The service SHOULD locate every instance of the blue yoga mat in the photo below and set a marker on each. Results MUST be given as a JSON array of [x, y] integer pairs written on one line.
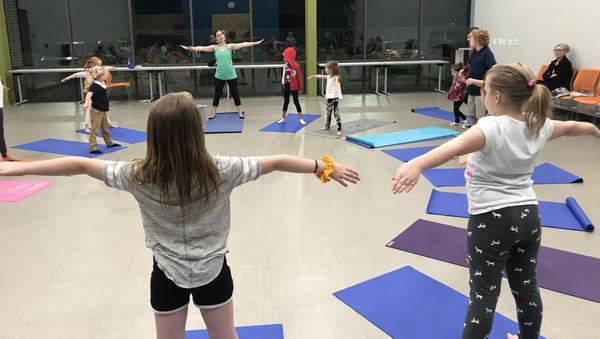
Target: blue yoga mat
[[407, 154], [66, 147], [435, 112], [402, 137], [245, 332], [568, 215], [225, 123], [291, 124], [128, 135], [406, 303], [543, 174]]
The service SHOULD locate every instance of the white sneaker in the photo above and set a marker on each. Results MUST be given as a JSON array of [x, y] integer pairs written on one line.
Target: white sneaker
[[453, 123], [281, 121], [302, 122]]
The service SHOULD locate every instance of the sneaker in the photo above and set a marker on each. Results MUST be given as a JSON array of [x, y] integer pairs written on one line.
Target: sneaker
[[453, 123], [465, 126], [281, 121], [96, 151], [242, 115], [114, 144], [302, 122], [113, 125]]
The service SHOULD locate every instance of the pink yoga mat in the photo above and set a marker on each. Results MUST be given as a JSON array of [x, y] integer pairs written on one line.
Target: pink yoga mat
[[15, 191]]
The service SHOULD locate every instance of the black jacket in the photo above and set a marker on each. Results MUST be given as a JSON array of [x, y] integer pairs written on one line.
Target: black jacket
[[564, 73]]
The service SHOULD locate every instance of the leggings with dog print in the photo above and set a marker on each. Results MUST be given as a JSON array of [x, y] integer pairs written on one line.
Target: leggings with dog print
[[332, 107], [503, 241]]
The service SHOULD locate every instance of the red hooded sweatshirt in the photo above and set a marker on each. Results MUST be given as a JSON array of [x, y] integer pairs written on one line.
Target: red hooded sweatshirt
[[295, 78]]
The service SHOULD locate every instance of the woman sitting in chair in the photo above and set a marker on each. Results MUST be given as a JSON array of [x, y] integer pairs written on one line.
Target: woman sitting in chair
[[560, 71]]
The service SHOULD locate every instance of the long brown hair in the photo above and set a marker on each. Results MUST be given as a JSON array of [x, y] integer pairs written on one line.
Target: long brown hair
[[517, 83], [176, 156]]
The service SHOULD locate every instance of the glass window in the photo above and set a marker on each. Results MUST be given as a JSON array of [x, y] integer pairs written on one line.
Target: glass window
[[44, 29], [159, 27], [340, 30], [103, 33], [392, 29]]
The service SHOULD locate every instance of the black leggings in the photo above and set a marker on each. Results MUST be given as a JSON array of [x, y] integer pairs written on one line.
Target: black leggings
[[503, 241], [286, 98], [458, 115], [233, 90], [3, 149]]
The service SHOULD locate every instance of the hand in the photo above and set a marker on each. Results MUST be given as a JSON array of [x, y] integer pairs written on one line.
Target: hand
[[310, 77], [187, 48], [342, 174], [405, 178], [8, 168], [259, 42], [470, 82], [596, 132], [63, 80]]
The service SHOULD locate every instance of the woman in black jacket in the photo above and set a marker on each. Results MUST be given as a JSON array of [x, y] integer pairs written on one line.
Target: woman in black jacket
[[560, 71]]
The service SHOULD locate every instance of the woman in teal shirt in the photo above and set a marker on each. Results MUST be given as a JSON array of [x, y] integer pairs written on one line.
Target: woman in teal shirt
[[225, 72]]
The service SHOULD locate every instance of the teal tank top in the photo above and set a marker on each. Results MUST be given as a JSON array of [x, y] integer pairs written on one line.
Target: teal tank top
[[225, 70]]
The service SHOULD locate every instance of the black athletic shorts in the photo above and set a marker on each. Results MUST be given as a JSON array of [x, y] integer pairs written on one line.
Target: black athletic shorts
[[166, 297]]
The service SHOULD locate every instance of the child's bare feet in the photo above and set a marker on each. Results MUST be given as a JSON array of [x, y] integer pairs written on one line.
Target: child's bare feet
[[511, 336], [339, 133], [113, 125], [325, 128]]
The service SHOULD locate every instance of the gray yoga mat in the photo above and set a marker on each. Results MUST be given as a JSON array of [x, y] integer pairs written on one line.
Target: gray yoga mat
[[351, 127]]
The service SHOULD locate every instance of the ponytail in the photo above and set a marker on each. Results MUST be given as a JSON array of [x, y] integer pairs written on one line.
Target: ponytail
[[538, 109], [516, 82]]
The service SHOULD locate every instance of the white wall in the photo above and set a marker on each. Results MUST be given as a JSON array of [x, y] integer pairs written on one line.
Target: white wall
[[540, 25]]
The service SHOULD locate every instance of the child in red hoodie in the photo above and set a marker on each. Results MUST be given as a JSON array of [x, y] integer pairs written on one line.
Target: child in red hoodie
[[291, 82]]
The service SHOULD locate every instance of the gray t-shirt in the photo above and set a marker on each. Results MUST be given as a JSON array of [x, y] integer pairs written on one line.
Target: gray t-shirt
[[189, 248], [499, 175]]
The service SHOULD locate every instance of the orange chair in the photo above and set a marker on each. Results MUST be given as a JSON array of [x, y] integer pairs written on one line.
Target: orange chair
[[540, 73], [585, 81], [589, 104], [110, 85]]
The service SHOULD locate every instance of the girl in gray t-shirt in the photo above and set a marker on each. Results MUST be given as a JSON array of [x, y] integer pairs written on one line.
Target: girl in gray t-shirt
[[503, 233], [183, 194]]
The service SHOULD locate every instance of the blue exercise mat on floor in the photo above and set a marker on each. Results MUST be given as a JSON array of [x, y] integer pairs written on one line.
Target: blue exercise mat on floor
[[66, 147], [127, 135], [568, 215], [543, 174], [407, 154], [245, 332], [406, 303], [434, 112], [402, 137], [291, 124], [225, 123]]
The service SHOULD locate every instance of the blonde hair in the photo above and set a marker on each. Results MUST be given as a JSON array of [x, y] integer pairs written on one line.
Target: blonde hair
[[564, 46], [517, 83], [92, 74], [481, 36]]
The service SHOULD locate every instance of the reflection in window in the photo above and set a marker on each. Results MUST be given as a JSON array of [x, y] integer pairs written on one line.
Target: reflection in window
[[159, 27], [392, 29], [44, 31], [105, 34], [340, 29]]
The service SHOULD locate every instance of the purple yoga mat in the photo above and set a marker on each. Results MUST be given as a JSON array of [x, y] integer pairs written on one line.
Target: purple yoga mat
[[565, 272]]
